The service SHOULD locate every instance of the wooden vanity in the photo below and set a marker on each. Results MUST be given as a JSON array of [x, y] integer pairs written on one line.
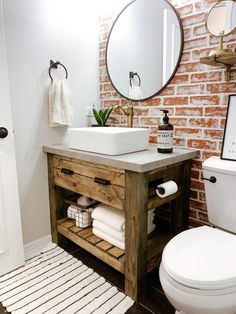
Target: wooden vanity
[[126, 182]]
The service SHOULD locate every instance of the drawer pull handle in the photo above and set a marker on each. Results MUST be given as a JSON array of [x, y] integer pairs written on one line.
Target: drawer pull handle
[[102, 181], [67, 171]]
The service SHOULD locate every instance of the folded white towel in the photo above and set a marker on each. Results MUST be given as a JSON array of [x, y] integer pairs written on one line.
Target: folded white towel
[[72, 212], [135, 92], [60, 104], [110, 216], [109, 238], [118, 235]]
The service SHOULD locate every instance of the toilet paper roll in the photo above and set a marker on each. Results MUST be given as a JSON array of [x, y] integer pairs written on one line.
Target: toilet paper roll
[[167, 188]]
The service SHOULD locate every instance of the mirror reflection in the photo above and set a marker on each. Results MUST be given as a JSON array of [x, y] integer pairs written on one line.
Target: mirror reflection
[[144, 48], [221, 20]]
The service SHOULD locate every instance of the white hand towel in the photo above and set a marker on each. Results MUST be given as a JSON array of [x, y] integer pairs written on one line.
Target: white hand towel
[[135, 92], [110, 216], [109, 239], [60, 104], [118, 235]]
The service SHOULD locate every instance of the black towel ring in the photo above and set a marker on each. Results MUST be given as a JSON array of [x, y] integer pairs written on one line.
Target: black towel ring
[[131, 76], [54, 65]]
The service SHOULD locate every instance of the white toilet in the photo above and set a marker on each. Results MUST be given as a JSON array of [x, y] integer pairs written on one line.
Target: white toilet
[[198, 269]]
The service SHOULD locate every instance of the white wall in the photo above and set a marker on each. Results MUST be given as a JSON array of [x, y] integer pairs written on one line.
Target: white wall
[[37, 31]]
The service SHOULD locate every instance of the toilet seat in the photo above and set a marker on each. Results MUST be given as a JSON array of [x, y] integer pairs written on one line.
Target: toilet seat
[[202, 258]]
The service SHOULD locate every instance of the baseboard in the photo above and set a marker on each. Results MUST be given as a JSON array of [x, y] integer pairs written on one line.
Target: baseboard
[[34, 247]]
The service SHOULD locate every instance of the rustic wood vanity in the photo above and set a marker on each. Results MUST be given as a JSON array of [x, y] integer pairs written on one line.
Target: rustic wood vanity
[[128, 183]]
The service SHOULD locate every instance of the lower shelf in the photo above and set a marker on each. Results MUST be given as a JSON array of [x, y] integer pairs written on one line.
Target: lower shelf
[[113, 256]]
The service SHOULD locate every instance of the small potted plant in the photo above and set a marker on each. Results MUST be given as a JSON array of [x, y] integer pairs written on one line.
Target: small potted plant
[[101, 115]]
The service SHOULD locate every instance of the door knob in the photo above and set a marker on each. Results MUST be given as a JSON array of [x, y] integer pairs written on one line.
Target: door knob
[[3, 132]]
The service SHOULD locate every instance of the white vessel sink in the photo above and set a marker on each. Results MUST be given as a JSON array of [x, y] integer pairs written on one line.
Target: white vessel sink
[[109, 140]]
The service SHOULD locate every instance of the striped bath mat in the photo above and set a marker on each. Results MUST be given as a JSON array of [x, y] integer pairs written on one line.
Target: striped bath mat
[[53, 281]]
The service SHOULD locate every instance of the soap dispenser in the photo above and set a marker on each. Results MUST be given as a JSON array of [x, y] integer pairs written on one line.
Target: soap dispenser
[[165, 135]]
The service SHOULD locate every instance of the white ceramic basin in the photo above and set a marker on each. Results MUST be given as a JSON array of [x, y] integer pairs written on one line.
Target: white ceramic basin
[[109, 140]]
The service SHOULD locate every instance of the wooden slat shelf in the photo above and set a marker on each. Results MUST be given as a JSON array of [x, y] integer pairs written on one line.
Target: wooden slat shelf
[[113, 256], [108, 253]]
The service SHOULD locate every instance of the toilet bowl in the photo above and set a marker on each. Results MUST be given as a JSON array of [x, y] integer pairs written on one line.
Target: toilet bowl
[[198, 268], [198, 271]]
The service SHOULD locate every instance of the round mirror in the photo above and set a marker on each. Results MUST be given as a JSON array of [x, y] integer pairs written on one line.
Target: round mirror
[[221, 19], [144, 48]]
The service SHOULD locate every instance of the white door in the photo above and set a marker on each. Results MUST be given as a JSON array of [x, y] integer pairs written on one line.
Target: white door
[[11, 244]]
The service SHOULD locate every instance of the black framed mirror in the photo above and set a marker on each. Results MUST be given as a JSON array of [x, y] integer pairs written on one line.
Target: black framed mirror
[[144, 48]]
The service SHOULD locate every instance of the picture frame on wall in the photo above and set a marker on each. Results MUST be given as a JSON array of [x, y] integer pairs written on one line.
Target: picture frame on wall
[[228, 151]]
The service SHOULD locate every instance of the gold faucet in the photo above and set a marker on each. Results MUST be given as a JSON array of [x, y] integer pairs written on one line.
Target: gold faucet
[[128, 111]]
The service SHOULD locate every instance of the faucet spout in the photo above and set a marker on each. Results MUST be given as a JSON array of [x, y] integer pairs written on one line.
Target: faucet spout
[[127, 111]]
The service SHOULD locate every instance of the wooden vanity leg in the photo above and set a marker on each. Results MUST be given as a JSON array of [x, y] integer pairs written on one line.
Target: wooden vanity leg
[[55, 201], [136, 205], [180, 209]]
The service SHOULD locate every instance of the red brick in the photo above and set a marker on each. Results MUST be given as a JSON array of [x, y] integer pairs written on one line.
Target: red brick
[[200, 30], [197, 185], [185, 56], [193, 195], [207, 154], [204, 122], [202, 197], [189, 111], [221, 88], [194, 43], [141, 112], [188, 132], [206, 77], [215, 111], [198, 205], [199, 53], [167, 91], [193, 213], [204, 5], [195, 174], [187, 33], [196, 164], [213, 134], [194, 19], [190, 89], [205, 100], [202, 216], [170, 101], [193, 223], [185, 10], [178, 121], [153, 102], [191, 67], [180, 79], [180, 142], [202, 144]]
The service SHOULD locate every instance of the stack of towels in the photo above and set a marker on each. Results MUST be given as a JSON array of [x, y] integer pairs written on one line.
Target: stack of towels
[[109, 224]]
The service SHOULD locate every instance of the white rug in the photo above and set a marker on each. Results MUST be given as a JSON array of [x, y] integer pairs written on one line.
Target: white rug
[[54, 281]]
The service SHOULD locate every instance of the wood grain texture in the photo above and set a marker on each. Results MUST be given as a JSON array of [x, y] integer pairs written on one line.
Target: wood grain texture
[[136, 203], [55, 201], [90, 170], [109, 194]]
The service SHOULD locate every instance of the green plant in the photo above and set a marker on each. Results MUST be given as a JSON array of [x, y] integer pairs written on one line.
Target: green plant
[[102, 115]]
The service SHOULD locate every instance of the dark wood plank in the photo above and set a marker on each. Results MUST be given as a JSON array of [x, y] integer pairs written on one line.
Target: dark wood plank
[[56, 202], [136, 203]]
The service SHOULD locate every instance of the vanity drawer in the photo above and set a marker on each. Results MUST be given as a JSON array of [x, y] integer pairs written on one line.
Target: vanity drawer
[[105, 184]]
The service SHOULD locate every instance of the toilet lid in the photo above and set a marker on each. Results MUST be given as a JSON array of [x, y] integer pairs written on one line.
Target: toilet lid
[[202, 258]]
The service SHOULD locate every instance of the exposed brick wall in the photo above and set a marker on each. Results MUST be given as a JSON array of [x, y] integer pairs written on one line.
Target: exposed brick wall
[[196, 97]]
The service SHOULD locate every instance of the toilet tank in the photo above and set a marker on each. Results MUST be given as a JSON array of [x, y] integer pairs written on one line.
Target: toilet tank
[[221, 195]]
